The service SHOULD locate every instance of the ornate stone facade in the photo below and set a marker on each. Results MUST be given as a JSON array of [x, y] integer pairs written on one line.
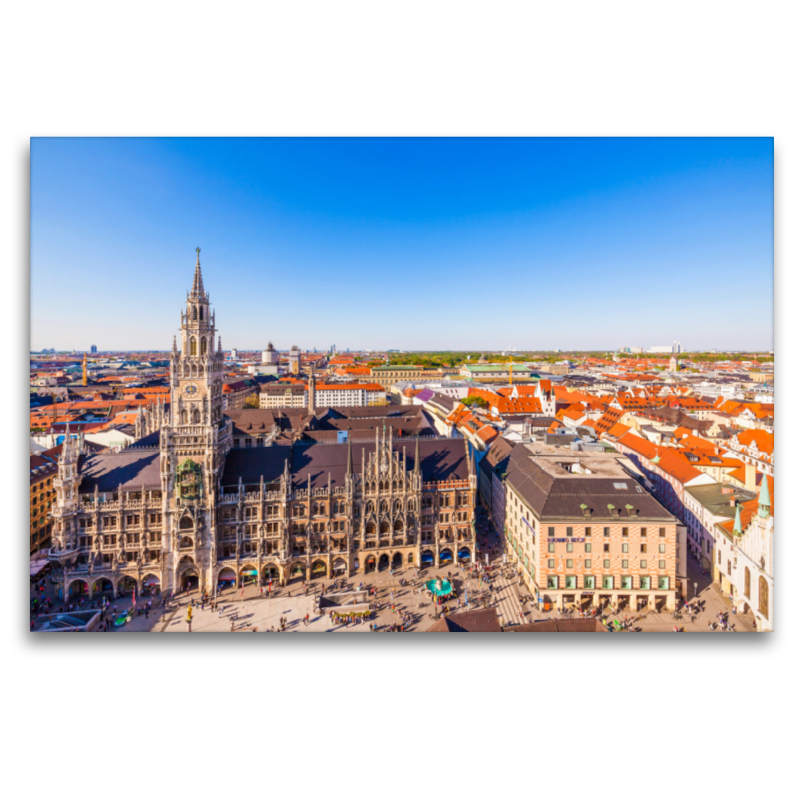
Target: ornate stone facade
[[181, 508]]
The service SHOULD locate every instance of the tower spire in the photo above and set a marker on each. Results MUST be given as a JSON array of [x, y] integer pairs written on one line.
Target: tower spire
[[416, 457], [197, 286], [764, 500], [349, 455], [737, 522]]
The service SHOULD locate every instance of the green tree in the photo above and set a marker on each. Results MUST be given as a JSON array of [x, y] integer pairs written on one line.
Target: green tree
[[472, 400]]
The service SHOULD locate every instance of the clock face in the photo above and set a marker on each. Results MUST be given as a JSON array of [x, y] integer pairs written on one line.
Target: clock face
[[190, 390]]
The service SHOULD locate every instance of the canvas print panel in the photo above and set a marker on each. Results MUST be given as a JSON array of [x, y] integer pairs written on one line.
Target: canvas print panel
[[551, 408]]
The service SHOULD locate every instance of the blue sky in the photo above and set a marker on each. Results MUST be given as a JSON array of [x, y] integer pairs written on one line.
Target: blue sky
[[405, 243]]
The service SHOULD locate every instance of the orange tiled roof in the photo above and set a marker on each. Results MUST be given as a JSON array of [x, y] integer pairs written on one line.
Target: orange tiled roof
[[763, 440]]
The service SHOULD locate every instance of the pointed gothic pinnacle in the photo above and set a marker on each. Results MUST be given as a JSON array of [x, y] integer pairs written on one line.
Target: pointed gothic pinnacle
[[197, 286], [416, 457], [349, 456]]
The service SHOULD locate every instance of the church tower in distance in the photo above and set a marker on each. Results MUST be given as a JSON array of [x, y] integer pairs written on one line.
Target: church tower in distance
[[194, 444]]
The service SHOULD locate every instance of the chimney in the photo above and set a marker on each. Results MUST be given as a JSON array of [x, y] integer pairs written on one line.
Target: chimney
[[750, 478]]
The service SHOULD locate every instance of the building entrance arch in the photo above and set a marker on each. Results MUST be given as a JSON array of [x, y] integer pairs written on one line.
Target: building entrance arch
[[297, 572], [427, 559], [270, 573], [78, 588], [339, 567], [397, 561], [190, 580], [103, 586], [151, 584], [126, 585], [464, 554], [446, 556], [383, 561], [248, 575], [226, 578], [319, 569], [369, 564]]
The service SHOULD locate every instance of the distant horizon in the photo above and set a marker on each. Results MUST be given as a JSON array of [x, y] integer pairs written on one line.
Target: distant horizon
[[718, 351], [459, 240]]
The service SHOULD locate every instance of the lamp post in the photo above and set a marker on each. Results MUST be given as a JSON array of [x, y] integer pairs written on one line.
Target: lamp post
[[695, 589]]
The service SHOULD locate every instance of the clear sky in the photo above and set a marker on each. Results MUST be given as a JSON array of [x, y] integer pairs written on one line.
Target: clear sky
[[437, 244]]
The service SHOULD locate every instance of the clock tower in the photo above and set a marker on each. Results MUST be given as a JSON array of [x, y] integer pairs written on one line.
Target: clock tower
[[194, 444]]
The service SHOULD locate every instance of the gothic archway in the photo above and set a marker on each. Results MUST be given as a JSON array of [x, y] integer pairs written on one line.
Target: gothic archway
[[319, 569], [190, 581], [103, 586], [763, 597]]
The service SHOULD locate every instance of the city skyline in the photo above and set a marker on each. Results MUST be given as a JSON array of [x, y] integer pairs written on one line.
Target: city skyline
[[402, 243]]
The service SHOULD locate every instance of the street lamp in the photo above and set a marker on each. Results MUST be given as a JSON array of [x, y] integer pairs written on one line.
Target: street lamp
[[695, 589]]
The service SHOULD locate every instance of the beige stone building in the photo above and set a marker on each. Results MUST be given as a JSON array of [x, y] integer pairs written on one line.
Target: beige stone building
[[584, 531]]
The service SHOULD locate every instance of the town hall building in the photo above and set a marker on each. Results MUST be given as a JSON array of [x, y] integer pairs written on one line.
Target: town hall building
[[184, 507]]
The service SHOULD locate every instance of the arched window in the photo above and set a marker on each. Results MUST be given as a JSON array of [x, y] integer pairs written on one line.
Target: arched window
[[202, 345], [194, 312], [196, 416], [763, 597], [193, 347], [747, 582], [201, 313], [186, 524], [184, 417]]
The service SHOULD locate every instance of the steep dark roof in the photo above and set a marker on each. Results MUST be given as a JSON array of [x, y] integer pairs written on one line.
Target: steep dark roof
[[132, 468], [558, 626], [479, 620], [554, 497], [496, 459], [440, 460]]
